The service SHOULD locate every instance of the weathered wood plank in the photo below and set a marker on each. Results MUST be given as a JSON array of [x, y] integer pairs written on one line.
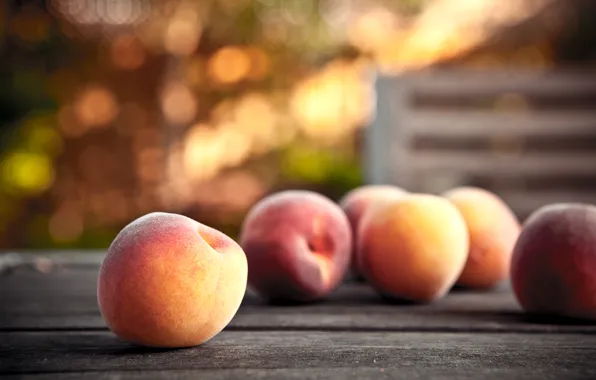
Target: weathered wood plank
[[472, 83], [461, 353], [406, 372], [65, 299], [503, 165], [474, 124]]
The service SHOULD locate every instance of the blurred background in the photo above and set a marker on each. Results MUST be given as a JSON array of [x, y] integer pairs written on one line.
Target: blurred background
[[110, 109]]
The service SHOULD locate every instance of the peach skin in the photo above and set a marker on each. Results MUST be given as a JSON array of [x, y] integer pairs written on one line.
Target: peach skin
[[298, 244], [169, 281], [413, 248], [493, 230], [553, 269], [358, 201]]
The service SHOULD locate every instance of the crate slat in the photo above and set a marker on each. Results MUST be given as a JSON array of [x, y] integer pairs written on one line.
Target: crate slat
[[452, 143], [472, 163], [474, 124], [479, 83]]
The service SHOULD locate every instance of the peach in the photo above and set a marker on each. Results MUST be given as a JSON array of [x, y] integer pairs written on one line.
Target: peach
[[169, 281], [493, 230], [553, 268], [358, 201], [298, 245], [413, 248]]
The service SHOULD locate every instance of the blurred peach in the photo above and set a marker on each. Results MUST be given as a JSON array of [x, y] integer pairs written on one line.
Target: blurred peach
[[358, 201], [298, 246], [493, 230], [413, 248]]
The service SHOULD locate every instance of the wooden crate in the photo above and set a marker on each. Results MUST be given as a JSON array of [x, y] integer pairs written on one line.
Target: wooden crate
[[529, 136]]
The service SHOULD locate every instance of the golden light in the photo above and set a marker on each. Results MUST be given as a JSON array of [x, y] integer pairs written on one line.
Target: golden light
[[332, 103], [66, 224], [96, 106], [318, 106], [373, 29], [31, 173], [256, 117], [229, 65], [260, 64], [234, 145], [201, 157], [285, 131], [183, 33], [178, 103], [127, 52], [449, 27], [208, 149]]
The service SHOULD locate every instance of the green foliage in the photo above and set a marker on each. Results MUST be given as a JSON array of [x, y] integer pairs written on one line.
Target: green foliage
[[339, 171]]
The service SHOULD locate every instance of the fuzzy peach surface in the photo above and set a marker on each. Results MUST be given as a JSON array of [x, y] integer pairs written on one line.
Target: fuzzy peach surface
[[413, 248], [493, 230], [169, 281], [298, 246], [359, 201], [553, 268]]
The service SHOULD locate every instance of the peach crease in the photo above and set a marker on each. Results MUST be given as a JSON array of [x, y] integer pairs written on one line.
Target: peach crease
[[320, 260]]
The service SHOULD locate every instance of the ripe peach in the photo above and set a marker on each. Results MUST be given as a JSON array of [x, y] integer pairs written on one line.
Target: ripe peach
[[358, 201], [493, 230], [553, 268], [298, 246], [413, 248], [169, 281]]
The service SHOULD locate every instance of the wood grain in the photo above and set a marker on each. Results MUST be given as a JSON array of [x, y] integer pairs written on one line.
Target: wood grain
[[360, 373], [49, 352], [65, 299], [50, 327]]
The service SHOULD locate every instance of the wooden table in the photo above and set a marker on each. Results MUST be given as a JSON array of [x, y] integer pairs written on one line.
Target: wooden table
[[50, 327]]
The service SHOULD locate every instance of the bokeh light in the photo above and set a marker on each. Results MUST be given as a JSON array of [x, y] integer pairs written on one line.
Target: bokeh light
[[332, 103], [183, 33], [229, 65], [179, 105], [116, 108], [127, 52], [96, 106], [256, 118], [30, 173]]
